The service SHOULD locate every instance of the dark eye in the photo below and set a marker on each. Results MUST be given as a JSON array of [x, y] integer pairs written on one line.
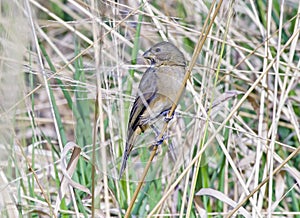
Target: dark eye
[[157, 50]]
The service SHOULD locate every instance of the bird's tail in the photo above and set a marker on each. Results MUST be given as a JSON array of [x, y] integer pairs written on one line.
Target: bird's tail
[[124, 160], [129, 145]]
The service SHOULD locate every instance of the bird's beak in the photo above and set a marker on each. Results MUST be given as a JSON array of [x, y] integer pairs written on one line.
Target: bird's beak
[[148, 55]]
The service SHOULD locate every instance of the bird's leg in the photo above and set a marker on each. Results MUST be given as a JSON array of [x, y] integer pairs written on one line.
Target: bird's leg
[[159, 141], [156, 131]]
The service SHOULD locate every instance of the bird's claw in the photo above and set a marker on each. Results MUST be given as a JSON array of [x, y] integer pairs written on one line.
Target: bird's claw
[[159, 142], [168, 119]]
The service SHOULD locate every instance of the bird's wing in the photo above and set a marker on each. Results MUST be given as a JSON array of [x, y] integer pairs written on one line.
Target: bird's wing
[[134, 122], [146, 93]]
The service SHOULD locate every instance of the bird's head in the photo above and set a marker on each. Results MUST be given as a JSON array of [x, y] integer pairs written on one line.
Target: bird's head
[[164, 53]]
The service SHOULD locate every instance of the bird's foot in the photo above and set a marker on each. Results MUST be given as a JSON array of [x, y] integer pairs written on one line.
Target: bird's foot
[[157, 143], [160, 141], [168, 119]]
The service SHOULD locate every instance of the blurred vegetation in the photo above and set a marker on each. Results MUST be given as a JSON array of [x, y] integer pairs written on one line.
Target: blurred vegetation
[[48, 90]]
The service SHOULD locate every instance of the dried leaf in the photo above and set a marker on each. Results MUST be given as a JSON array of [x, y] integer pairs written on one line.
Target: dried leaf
[[222, 197], [199, 207], [279, 187], [68, 172]]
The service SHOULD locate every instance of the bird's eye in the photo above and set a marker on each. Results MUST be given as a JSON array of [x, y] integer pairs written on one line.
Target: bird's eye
[[157, 50]]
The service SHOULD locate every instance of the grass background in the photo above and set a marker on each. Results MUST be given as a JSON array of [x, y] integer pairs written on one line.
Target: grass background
[[58, 57]]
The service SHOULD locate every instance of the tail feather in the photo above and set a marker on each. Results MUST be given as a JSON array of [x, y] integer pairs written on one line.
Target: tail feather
[[129, 145], [124, 160]]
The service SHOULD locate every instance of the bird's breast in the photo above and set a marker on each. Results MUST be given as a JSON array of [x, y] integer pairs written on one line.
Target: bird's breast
[[169, 81]]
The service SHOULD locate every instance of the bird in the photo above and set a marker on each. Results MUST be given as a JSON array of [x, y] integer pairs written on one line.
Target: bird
[[157, 91]]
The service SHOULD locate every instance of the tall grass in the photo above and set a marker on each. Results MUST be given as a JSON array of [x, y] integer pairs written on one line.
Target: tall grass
[[241, 104]]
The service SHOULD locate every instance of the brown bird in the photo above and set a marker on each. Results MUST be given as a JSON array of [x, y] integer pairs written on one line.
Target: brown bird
[[156, 93]]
